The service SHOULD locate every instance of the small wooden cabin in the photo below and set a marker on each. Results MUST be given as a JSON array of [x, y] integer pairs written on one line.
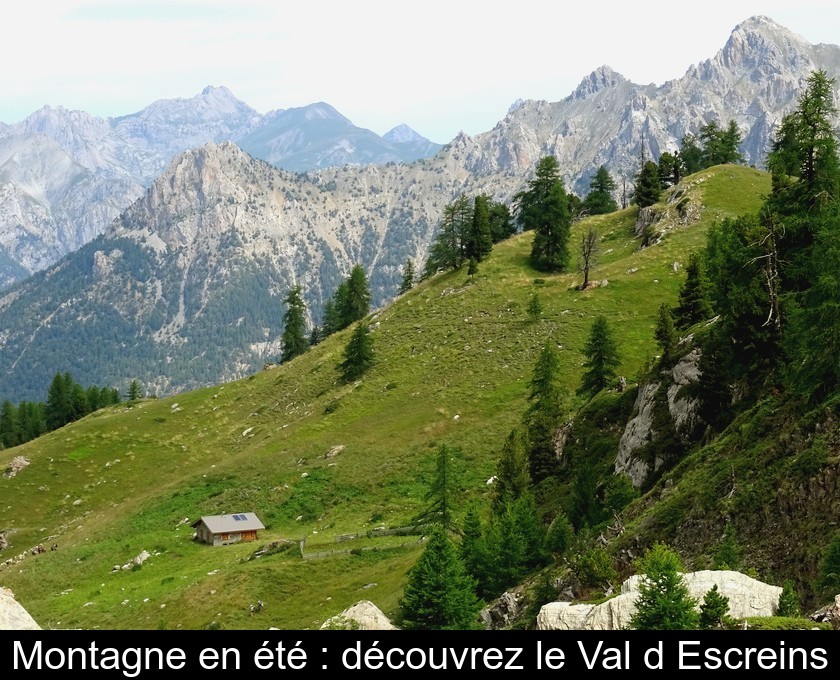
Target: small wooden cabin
[[226, 529]]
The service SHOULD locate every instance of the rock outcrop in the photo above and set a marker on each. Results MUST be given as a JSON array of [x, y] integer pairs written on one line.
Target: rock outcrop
[[18, 463], [747, 597], [363, 615], [12, 614]]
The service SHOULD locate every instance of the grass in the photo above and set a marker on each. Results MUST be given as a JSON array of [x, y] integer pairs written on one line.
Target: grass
[[121, 481]]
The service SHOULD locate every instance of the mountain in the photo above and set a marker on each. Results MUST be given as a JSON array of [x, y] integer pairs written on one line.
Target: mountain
[[334, 470], [311, 229], [185, 289], [754, 79], [169, 126], [318, 136], [124, 155]]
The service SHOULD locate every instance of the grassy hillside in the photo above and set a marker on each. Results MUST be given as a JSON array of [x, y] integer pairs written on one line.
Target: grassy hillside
[[121, 480]]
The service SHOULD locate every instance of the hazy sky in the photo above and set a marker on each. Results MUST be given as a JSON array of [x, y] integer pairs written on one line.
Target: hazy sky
[[438, 66]]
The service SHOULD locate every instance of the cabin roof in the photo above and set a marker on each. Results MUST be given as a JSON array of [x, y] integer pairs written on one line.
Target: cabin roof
[[238, 521]]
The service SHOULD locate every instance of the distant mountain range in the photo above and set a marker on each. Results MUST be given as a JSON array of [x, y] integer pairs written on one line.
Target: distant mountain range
[[47, 211], [185, 287]]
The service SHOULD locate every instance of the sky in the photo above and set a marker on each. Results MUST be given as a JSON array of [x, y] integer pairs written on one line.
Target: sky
[[440, 67]]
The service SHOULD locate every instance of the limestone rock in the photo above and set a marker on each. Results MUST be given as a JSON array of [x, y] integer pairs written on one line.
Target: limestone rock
[[17, 464], [747, 597], [829, 614], [685, 411], [363, 615], [503, 612], [12, 614]]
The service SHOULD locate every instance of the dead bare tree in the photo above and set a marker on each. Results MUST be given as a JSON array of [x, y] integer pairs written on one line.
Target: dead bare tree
[[588, 254], [768, 243]]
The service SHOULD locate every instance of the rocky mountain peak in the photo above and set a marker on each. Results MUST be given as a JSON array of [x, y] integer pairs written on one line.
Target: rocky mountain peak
[[403, 133], [601, 78], [760, 45]]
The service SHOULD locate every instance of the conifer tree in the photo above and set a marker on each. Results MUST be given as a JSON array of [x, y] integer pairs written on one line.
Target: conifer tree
[[355, 300], [473, 550], [134, 392], [728, 554], [408, 277], [665, 333], [294, 326], [560, 535], [543, 415], [544, 209], [479, 241], [513, 477], [690, 154], [601, 353], [829, 578], [664, 602], [714, 610], [788, 601], [358, 354], [648, 188], [443, 490], [472, 269], [534, 308], [501, 222], [694, 304], [439, 595], [10, 434], [599, 200]]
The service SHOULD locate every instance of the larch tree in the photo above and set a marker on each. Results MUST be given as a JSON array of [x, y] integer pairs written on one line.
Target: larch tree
[[440, 594], [601, 360], [294, 326], [544, 209]]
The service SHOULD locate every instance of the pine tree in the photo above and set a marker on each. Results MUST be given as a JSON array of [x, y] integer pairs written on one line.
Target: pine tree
[[408, 277], [479, 241], [10, 434], [665, 333], [544, 209], [358, 354], [294, 326], [472, 550], [534, 308], [513, 477], [560, 535], [694, 304], [443, 490], [439, 595], [690, 154], [664, 602], [585, 511], [59, 408], [355, 300], [714, 610], [788, 601], [472, 269], [648, 189], [448, 251], [728, 554], [829, 578], [543, 415], [599, 200], [134, 392], [601, 353], [501, 222]]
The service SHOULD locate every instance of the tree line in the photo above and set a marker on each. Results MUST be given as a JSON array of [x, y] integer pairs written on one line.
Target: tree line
[[66, 402]]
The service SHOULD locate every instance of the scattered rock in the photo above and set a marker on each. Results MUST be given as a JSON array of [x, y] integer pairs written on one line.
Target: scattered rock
[[363, 615], [247, 431], [828, 614], [17, 464], [507, 608], [492, 480], [77, 502], [632, 270], [334, 451]]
